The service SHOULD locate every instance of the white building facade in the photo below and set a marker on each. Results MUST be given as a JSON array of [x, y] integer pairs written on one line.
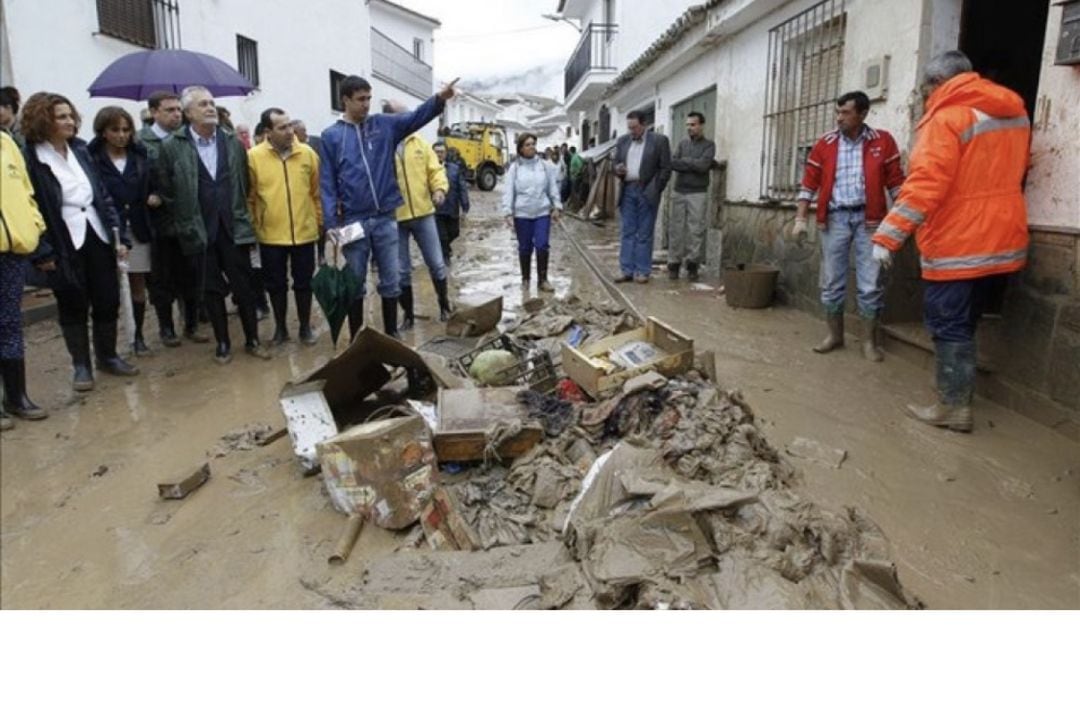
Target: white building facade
[[613, 34], [402, 55], [466, 107], [766, 74], [293, 64]]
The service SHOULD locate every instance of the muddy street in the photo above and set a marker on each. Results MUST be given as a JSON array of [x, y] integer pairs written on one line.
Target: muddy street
[[990, 520]]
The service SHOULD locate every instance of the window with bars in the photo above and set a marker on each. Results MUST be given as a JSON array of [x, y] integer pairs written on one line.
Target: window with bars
[[247, 58], [147, 23], [336, 78], [805, 66]]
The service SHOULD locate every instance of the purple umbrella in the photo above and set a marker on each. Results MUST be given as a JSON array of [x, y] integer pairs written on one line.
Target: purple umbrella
[[140, 74]]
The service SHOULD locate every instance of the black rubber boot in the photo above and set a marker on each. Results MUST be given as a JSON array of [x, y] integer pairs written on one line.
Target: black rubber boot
[[219, 320], [955, 363], [871, 342], [138, 346], [105, 351], [77, 340], [249, 322], [303, 315], [356, 317], [542, 271], [279, 303], [16, 402], [835, 339], [692, 271], [389, 316], [673, 270], [525, 260], [166, 327], [406, 300], [191, 321], [444, 299]]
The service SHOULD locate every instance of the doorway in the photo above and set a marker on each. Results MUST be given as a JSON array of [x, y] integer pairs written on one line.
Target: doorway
[[1004, 40]]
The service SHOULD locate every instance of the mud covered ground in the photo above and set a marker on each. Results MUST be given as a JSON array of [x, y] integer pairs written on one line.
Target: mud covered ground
[[989, 520]]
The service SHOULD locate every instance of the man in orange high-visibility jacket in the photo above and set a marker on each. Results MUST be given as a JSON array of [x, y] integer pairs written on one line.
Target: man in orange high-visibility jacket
[[963, 200]]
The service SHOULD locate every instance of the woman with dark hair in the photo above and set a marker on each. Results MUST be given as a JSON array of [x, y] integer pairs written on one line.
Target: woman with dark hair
[[530, 202], [125, 170], [82, 241]]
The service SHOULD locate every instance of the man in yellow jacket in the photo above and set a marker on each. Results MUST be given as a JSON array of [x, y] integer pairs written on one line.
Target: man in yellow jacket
[[422, 181], [21, 226], [286, 211]]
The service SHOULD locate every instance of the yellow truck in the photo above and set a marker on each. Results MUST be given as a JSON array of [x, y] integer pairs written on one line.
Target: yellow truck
[[483, 148]]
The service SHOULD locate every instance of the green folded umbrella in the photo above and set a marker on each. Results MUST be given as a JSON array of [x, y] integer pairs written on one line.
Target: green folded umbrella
[[335, 289]]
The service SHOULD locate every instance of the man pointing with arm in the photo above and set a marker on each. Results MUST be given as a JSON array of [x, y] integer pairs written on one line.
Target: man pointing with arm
[[358, 186]]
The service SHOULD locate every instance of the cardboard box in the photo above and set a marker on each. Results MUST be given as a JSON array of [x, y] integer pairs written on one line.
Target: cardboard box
[[444, 527], [467, 414], [589, 368], [330, 398], [391, 465]]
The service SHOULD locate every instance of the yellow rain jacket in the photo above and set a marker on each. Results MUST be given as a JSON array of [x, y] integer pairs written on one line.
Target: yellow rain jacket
[[418, 176], [283, 195], [21, 224]]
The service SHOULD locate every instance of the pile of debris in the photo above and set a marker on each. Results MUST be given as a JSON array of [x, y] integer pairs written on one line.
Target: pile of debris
[[655, 480]]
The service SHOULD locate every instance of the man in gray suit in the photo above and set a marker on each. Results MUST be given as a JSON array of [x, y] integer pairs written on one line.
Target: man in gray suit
[[643, 164]]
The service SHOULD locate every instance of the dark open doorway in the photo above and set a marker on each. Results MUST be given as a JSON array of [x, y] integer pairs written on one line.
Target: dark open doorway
[[1004, 39]]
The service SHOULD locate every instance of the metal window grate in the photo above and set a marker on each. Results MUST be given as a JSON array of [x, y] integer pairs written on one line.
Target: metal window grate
[[805, 65], [247, 58], [154, 24]]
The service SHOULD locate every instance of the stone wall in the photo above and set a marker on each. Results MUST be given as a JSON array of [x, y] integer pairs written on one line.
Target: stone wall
[[1040, 345]]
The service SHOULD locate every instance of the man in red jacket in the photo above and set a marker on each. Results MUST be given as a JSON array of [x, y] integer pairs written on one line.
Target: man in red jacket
[[849, 170]]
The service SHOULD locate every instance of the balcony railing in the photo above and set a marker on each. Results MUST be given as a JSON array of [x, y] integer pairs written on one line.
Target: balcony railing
[[594, 51], [394, 64]]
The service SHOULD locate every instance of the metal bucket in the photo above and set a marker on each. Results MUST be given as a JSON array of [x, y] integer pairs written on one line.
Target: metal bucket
[[750, 286]]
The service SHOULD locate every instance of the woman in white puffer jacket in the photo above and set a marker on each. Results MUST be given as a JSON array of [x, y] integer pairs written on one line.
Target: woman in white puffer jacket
[[530, 202]]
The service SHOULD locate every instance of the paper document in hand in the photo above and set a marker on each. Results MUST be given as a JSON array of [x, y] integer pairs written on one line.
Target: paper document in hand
[[346, 234]]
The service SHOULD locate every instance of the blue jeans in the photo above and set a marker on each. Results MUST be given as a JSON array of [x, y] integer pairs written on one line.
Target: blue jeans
[[952, 309], [638, 218], [426, 233], [533, 233], [380, 237], [844, 228]]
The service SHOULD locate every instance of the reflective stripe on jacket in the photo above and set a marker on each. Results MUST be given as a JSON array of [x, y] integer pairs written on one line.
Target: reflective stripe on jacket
[[283, 194], [963, 196]]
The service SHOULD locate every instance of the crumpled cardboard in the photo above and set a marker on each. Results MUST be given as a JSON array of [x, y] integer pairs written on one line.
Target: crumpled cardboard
[[444, 527], [392, 465], [472, 318]]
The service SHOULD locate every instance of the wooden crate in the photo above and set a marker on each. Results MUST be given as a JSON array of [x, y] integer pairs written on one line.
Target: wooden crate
[[577, 362], [465, 414]]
